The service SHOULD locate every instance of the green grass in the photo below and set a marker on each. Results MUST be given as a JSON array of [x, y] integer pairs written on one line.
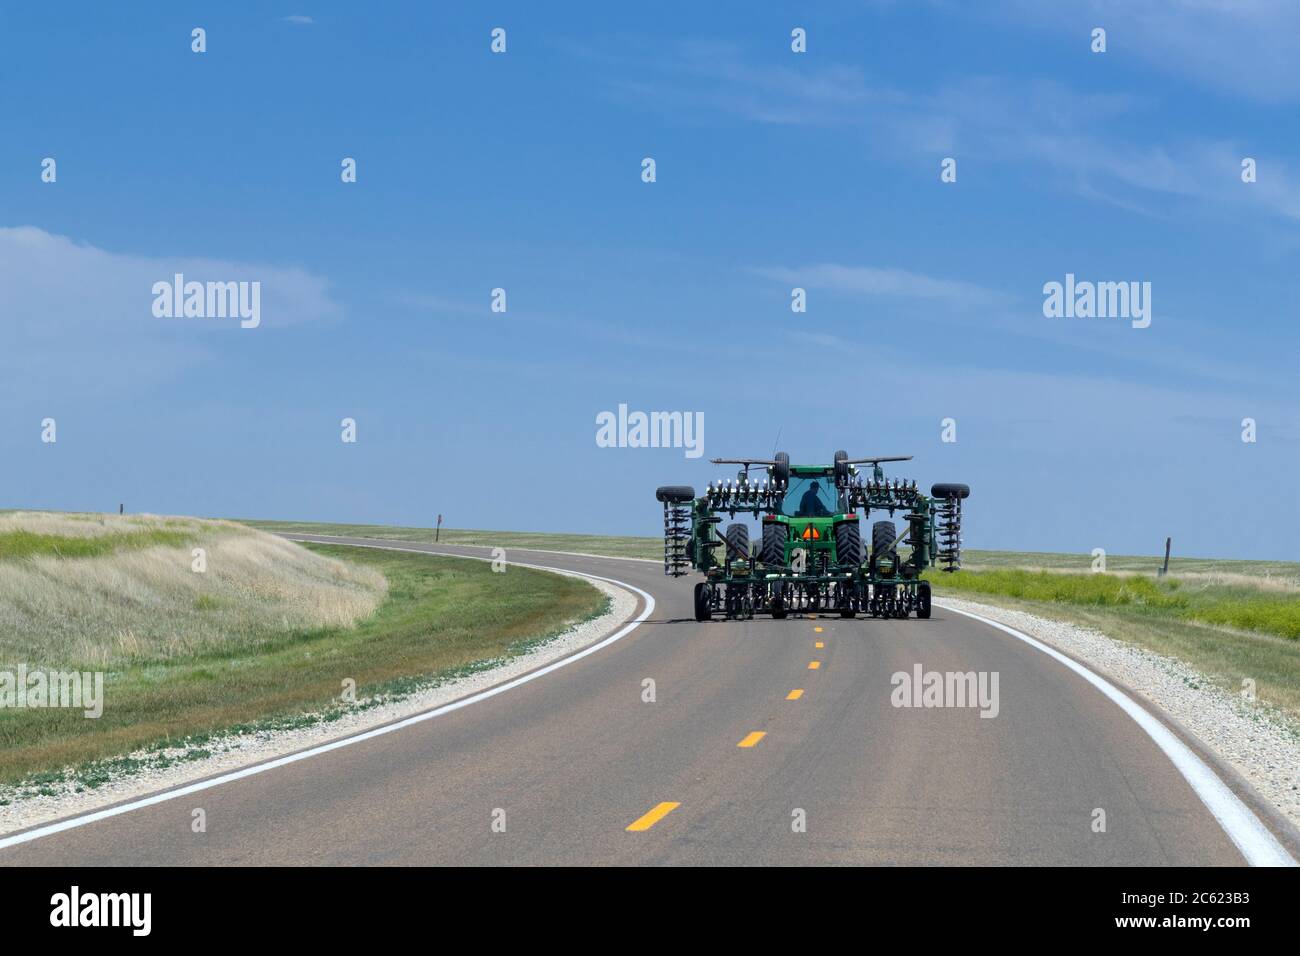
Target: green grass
[[1102, 590], [1253, 614], [441, 616], [1267, 571], [26, 544], [1233, 606]]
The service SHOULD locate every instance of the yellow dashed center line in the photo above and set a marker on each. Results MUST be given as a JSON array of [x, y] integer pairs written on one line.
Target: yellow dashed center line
[[813, 665], [819, 645], [653, 817], [794, 694], [817, 630], [752, 738]]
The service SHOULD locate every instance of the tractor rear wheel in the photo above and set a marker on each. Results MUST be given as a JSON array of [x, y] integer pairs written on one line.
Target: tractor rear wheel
[[737, 541], [703, 611], [775, 536], [848, 544], [883, 535]]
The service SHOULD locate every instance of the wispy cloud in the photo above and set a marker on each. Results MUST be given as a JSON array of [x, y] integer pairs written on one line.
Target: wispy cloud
[[884, 282], [298, 18], [1083, 142], [77, 314], [1246, 48]]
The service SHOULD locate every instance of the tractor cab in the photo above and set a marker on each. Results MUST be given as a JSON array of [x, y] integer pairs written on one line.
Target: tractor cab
[[812, 504], [812, 494]]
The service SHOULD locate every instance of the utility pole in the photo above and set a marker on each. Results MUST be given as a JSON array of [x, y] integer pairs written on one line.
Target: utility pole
[[1165, 570], [438, 530]]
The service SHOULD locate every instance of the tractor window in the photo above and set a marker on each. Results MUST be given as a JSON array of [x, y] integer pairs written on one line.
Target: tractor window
[[810, 497]]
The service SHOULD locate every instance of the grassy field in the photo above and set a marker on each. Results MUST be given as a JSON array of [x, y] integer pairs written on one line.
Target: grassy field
[[97, 592], [1228, 630], [1243, 607], [1232, 620], [426, 624]]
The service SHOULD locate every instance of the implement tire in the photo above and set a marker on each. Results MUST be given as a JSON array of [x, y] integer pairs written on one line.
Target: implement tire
[[779, 610], [675, 494], [703, 612], [923, 600], [781, 470], [883, 537]]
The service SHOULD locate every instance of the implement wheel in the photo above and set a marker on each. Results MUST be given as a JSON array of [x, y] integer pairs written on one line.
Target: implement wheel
[[779, 609], [703, 610]]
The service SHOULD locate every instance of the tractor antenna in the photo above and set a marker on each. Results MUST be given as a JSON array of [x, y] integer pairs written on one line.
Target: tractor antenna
[[776, 444]]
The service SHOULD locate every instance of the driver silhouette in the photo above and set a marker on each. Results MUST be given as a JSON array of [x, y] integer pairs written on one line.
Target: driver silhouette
[[810, 505]]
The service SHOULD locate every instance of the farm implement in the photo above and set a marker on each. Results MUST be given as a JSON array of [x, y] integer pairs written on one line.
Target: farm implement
[[811, 556]]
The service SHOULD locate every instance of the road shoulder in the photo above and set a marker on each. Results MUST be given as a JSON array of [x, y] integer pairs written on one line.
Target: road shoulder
[[234, 752], [1254, 749]]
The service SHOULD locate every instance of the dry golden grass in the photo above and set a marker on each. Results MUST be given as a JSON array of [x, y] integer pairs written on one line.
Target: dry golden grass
[[138, 600], [73, 525]]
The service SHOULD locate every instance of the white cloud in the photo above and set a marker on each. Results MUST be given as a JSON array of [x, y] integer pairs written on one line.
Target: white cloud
[[74, 313], [298, 19]]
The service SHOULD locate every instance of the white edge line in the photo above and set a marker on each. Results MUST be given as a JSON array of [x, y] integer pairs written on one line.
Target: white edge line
[[86, 819], [1255, 841]]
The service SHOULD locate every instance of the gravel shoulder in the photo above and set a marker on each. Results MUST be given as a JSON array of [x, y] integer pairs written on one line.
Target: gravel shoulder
[[223, 754], [1260, 743]]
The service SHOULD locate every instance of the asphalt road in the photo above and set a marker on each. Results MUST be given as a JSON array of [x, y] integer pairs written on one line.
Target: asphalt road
[[576, 757]]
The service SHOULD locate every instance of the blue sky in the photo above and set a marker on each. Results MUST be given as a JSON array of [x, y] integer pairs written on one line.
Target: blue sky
[[774, 169]]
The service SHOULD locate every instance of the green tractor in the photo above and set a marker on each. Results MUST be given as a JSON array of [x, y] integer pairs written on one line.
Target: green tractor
[[812, 557]]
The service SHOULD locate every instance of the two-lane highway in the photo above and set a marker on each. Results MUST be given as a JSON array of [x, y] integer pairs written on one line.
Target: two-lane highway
[[765, 742]]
